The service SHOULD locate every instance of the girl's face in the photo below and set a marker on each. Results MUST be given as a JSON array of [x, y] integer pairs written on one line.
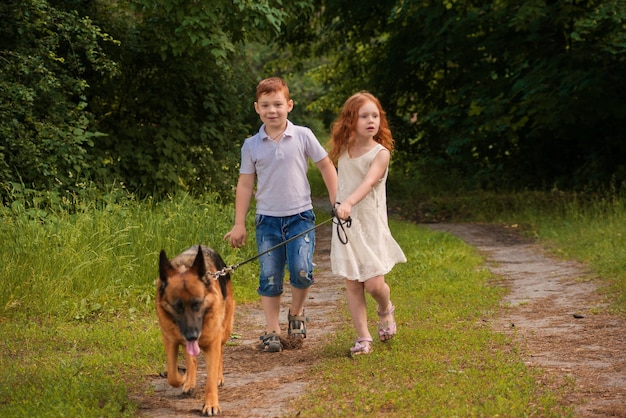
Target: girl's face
[[368, 121], [273, 109]]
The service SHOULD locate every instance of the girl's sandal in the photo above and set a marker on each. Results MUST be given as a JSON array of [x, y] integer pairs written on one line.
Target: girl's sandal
[[387, 329], [362, 346]]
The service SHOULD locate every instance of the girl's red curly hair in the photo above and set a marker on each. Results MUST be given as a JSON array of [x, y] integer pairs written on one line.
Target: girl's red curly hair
[[342, 134]]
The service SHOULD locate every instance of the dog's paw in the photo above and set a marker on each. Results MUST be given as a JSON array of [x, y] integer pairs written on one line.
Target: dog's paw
[[189, 393], [188, 388], [189, 383], [210, 411]]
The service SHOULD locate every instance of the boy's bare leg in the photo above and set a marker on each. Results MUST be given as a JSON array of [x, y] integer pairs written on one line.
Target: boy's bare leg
[[296, 322], [271, 309], [298, 298]]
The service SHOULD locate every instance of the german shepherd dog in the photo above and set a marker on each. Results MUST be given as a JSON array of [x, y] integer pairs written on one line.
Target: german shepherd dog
[[195, 310]]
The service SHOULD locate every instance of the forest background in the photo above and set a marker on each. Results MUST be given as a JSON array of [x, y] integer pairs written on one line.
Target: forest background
[[157, 96]]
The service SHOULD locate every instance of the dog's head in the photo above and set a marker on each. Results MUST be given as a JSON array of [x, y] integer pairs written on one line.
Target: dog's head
[[185, 294]]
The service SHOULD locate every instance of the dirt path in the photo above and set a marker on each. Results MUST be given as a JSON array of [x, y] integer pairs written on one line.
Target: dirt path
[[556, 315]]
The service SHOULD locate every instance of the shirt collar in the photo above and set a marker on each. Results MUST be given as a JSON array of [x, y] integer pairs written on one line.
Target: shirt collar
[[288, 130]]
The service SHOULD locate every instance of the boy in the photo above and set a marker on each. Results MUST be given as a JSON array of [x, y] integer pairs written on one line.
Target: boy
[[277, 158]]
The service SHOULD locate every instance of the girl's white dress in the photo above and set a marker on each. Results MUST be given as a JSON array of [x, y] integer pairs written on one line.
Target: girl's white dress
[[371, 250]]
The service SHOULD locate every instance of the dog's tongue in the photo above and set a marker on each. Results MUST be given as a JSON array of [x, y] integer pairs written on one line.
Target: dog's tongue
[[193, 348]]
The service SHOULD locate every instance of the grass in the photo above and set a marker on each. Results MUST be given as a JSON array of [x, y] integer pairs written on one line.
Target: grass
[[446, 361], [78, 325], [100, 260], [53, 368]]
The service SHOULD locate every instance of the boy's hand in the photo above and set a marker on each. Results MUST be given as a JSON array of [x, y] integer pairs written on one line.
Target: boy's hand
[[343, 210], [236, 237]]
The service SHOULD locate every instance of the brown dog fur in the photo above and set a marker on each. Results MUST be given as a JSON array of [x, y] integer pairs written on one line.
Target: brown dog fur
[[194, 306]]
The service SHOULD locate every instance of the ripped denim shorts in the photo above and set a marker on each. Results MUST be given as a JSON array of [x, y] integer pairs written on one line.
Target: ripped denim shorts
[[296, 255]]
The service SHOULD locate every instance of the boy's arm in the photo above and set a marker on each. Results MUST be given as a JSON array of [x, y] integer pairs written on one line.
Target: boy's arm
[[329, 174], [245, 186]]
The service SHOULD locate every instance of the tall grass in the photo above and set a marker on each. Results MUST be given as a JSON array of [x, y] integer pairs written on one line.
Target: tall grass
[[101, 258]]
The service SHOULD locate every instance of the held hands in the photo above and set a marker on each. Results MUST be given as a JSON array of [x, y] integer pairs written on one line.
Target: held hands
[[342, 210], [236, 237]]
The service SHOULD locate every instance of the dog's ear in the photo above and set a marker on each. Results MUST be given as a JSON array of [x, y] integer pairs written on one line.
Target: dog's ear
[[165, 268], [198, 264]]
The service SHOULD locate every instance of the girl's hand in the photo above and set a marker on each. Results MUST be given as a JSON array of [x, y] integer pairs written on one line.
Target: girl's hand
[[343, 210]]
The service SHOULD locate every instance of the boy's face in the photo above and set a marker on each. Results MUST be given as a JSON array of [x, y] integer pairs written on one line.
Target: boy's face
[[273, 109]]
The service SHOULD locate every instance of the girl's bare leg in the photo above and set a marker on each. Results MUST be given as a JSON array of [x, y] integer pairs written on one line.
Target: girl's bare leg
[[357, 307], [379, 290]]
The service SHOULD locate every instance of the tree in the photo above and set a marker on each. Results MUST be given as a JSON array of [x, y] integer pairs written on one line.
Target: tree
[[164, 106], [503, 93], [45, 130], [182, 105]]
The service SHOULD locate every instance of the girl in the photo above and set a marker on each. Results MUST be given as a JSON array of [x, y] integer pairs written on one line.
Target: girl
[[361, 145]]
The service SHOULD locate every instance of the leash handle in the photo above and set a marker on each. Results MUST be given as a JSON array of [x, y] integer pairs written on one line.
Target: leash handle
[[341, 231]]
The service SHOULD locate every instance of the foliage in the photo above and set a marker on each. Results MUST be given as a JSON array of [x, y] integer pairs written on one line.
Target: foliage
[[177, 113], [46, 128], [505, 94], [173, 113], [182, 106], [158, 95]]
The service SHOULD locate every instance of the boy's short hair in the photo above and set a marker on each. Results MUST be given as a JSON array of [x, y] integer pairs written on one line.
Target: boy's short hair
[[272, 85]]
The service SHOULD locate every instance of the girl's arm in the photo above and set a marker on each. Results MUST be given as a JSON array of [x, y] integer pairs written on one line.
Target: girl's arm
[[375, 173]]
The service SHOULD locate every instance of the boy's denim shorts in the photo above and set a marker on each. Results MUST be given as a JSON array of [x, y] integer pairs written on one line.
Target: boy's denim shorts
[[297, 255]]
